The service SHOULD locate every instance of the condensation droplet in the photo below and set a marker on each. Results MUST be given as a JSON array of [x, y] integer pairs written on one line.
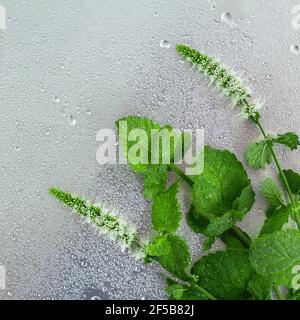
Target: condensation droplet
[[72, 121], [95, 298], [295, 49], [227, 18], [56, 99], [165, 44], [269, 76], [84, 264]]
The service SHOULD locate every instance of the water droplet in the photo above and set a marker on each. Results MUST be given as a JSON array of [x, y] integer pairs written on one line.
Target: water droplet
[[18, 148], [62, 66], [47, 132], [88, 112], [72, 121], [227, 18], [165, 44], [56, 99], [295, 49], [95, 298], [84, 263], [155, 14]]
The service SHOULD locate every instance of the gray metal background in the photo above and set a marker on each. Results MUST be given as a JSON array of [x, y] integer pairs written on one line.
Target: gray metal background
[[92, 62]]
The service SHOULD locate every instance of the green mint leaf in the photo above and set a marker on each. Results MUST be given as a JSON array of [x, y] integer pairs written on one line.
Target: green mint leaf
[[271, 210], [154, 150], [293, 179], [221, 224], [152, 156], [244, 202], [289, 139], [172, 253], [294, 295], [166, 212], [196, 222], [231, 240], [184, 292], [176, 291], [260, 287], [159, 246], [258, 155], [276, 221], [221, 183], [272, 193], [222, 192], [208, 242], [199, 225], [144, 151], [224, 274], [156, 175], [274, 255], [155, 180]]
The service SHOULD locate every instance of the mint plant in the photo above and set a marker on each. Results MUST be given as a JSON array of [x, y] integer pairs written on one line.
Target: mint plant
[[221, 197]]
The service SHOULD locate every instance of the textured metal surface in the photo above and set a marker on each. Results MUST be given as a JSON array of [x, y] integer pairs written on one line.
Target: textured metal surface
[[69, 68]]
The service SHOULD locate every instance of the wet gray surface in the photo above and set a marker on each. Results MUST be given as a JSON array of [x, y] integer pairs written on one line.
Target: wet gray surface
[[71, 68]]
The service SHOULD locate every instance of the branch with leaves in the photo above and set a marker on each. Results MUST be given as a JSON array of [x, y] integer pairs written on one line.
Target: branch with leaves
[[222, 195]]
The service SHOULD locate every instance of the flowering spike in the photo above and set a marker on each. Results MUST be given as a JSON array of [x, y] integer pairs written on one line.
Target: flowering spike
[[228, 81], [108, 223]]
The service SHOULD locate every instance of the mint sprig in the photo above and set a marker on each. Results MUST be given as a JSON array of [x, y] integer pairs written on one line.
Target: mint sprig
[[221, 195], [112, 225]]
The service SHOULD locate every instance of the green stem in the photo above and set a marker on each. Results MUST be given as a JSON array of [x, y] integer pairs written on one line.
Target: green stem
[[242, 236], [181, 174], [278, 293], [278, 165], [283, 177], [202, 290]]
